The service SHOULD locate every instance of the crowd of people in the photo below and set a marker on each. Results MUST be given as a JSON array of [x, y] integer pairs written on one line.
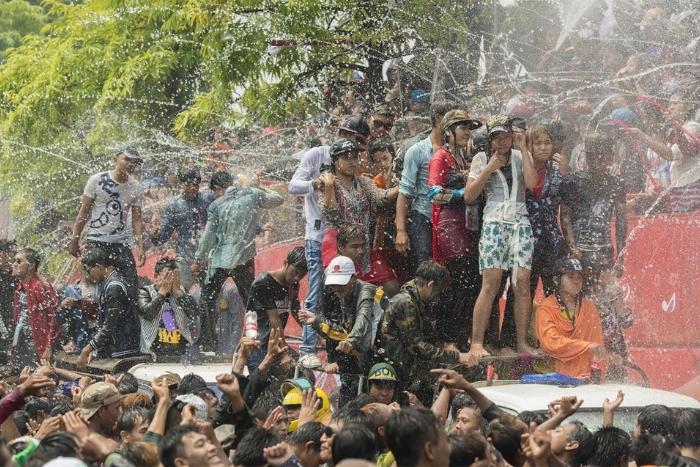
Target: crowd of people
[[420, 211]]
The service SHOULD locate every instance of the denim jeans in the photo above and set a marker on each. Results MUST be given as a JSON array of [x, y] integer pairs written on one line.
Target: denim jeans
[[313, 294], [420, 234]]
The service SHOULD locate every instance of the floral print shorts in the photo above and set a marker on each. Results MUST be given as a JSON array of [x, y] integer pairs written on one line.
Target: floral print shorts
[[503, 246]]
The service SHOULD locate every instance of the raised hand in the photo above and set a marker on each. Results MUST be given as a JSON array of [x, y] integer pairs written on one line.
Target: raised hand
[[274, 416], [276, 347], [36, 385], [161, 390], [228, 384], [310, 403], [607, 405], [451, 379]]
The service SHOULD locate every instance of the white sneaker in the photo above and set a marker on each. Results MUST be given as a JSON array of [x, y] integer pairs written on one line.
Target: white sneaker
[[310, 360]]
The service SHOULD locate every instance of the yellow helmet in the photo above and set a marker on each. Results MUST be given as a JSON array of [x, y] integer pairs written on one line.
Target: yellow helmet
[[292, 393]]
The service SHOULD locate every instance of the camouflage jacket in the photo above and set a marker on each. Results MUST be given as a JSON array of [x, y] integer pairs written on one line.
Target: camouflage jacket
[[348, 320], [402, 335]]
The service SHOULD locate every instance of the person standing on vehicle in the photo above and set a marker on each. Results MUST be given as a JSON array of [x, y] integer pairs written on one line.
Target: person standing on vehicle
[[166, 312], [455, 228], [186, 215], [350, 309], [118, 334], [108, 200], [306, 182], [414, 210], [35, 306], [404, 326], [568, 326], [228, 244], [274, 295], [502, 174]]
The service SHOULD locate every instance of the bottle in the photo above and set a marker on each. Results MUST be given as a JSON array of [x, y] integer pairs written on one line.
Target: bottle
[[595, 372], [251, 324]]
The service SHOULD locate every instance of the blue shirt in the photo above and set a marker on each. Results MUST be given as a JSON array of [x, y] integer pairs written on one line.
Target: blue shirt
[[414, 178], [188, 217]]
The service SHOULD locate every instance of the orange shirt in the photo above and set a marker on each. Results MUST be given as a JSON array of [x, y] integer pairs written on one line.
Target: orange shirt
[[568, 341]]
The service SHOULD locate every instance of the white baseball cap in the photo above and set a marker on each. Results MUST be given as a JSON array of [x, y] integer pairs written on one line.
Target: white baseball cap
[[340, 271]]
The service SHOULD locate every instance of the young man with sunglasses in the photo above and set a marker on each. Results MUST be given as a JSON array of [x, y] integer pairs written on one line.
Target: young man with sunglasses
[[35, 335], [306, 183]]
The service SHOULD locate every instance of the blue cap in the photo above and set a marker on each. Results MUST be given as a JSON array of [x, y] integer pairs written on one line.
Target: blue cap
[[419, 95], [624, 115]]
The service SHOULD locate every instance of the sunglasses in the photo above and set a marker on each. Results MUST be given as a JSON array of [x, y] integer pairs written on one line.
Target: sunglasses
[[379, 124]]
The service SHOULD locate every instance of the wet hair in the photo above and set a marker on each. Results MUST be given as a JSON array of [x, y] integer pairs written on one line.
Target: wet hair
[[61, 408], [59, 444], [611, 444], [688, 420], [164, 263], [268, 401], [529, 416], [431, 271], [250, 449], [382, 109], [657, 419], [467, 446], [460, 401], [297, 258], [506, 440], [131, 417], [348, 232], [354, 442], [32, 256], [586, 444], [407, 431], [535, 132], [361, 400], [221, 179], [7, 245], [645, 448], [129, 384], [21, 418], [172, 445], [189, 176], [137, 399], [94, 256], [33, 405], [381, 145], [483, 423], [190, 383], [440, 108], [351, 416], [310, 431], [141, 454]]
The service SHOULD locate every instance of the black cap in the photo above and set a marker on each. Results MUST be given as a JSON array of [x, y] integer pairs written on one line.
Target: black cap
[[342, 146], [354, 124], [499, 123], [567, 265], [130, 152], [189, 176]]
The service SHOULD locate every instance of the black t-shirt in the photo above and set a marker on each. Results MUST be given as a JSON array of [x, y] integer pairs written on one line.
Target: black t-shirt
[[593, 201], [268, 294]]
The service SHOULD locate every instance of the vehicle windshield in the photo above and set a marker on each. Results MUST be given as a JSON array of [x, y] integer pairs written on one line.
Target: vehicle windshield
[[625, 418]]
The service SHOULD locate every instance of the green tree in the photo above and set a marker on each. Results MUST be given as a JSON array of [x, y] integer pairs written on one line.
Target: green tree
[[18, 18]]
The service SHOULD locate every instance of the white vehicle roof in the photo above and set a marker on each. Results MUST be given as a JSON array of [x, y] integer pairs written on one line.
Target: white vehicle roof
[[147, 371], [516, 397]]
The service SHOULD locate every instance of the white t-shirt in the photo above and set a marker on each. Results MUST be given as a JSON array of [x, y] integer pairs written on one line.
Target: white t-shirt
[[109, 218]]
